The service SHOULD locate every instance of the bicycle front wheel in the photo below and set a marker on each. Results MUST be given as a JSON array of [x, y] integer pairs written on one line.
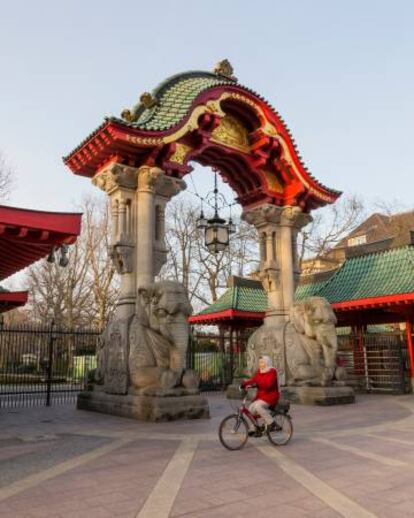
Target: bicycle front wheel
[[282, 431], [233, 432]]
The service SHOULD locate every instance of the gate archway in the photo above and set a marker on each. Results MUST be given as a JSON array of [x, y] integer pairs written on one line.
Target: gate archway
[[141, 158]]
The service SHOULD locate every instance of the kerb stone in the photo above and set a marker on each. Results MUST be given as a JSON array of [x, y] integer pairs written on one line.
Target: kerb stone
[[146, 407], [322, 396]]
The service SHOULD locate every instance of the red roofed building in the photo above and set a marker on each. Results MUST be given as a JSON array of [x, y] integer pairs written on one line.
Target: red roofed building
[[27, 236]]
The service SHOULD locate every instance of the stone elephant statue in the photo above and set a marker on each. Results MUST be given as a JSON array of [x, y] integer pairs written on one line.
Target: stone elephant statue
[[148, 350], [303, 349], [158, 338]]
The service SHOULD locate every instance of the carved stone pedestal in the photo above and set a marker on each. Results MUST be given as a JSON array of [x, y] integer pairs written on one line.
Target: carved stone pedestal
[[321, 396], [171, 406]]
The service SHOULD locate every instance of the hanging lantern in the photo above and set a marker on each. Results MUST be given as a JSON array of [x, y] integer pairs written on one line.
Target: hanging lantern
[[216, 229], [216, 234]]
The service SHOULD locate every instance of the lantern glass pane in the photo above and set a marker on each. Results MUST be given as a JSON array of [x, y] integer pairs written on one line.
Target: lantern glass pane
[[222, 235], [210, 235]]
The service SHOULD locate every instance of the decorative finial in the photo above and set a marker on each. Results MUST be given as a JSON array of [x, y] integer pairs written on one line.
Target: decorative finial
[[127, 115], [224, 68], [148, 100]]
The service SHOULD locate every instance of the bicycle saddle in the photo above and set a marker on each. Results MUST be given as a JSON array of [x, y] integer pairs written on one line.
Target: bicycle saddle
[[281, 406]]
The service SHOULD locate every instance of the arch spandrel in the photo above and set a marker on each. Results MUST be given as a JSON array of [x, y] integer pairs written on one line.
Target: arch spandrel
[[210, 119]]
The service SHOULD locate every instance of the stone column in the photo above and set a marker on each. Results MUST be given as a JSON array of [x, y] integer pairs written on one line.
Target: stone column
[[279, 269], [145, 228], [291, 221], [138, 198], [167, 187], [120, 182], [154, 190], [266, 219]]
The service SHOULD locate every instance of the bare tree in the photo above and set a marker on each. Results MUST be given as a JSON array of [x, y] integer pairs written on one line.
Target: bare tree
[[204, 274], [61, 294], [329, 226], [6, 178], [96, 216], [84, 292]]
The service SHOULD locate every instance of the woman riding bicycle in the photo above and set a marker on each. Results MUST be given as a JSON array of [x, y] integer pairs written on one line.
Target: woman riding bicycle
[[267, 394]]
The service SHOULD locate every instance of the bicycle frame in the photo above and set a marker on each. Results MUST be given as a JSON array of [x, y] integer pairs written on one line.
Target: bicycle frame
[[243, 410]]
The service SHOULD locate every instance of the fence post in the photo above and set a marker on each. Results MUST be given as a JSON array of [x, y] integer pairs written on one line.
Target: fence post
[[50, 363]]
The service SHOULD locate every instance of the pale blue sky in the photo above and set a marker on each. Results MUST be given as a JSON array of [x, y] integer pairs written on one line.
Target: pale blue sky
[[340, 73]]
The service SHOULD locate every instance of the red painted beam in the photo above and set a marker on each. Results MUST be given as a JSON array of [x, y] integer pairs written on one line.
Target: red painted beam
[[228, 314], [12, 299], [373, 302], [410, 346]]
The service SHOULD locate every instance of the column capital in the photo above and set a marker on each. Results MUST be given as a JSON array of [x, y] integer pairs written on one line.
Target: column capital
[[154, 180], [263, 215], [116, 176], [148, 177], [292, 216], [168, 186]]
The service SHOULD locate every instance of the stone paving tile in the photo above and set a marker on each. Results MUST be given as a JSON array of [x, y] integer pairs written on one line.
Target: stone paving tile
[[310, 504], [92, 512], [218, 482], [224, 511], [126, 506], [90, 488], [50, 453]]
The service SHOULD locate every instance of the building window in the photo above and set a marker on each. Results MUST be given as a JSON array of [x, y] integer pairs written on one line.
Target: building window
[[357, 240]]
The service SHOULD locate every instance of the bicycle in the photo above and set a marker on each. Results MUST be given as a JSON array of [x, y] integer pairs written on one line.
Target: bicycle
[[234, 431]]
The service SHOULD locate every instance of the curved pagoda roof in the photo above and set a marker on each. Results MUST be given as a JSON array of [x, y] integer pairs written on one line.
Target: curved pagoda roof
[[173, 99], [29, 235], [207, 117]]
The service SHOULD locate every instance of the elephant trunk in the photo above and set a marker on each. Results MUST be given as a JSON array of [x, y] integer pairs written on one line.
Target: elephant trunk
[[179, 332]]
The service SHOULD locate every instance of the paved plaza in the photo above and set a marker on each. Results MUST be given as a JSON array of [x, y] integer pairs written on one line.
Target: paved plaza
[[355, 461]]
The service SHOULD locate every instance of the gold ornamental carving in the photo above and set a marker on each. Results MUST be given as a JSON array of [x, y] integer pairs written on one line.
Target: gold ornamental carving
[[273, 183], [181, 151], [148, 100], [225, 69], [228, 136], [145, 141], [231, 133]]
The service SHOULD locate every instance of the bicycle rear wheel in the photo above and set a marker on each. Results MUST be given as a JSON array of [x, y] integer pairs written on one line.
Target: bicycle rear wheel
[[233, 432], [282, 431]]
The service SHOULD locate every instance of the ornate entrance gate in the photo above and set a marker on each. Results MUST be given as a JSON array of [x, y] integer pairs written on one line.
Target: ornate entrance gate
[[140, 160]]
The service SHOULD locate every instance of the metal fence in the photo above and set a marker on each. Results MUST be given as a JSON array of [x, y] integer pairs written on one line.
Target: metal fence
[[216, 359], [376, 362], [44, 365], [216, 369]]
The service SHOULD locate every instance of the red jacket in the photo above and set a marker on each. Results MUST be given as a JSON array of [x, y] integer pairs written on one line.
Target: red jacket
[[267, 386]]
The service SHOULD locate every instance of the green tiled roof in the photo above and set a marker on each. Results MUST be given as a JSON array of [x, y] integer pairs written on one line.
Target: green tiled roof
[[253, 299], [174, 98], [308, 290], [383, 273], [389, 272], [239, 298]]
